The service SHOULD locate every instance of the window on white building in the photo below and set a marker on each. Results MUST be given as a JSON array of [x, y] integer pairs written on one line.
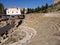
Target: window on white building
[[16, 12], [12, 12], [8, 12]]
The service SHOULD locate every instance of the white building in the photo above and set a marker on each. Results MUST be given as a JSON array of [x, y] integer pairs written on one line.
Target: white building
[[13, 11]]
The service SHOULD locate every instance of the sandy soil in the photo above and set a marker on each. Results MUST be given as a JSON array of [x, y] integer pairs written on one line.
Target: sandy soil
[[48, 29]]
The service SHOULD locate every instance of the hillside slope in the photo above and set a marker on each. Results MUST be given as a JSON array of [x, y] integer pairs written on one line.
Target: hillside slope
[[55, 7], [48, 29]]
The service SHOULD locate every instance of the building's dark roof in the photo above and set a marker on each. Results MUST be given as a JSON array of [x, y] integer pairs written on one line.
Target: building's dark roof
[[6, 28]]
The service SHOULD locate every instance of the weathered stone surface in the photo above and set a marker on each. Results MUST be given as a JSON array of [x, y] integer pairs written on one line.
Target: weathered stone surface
[[55, 1]]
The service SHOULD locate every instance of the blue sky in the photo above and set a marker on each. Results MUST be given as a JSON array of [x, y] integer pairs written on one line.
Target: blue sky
[[25, 3]]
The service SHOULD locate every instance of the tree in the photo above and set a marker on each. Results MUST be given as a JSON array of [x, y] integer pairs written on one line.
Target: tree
[[23, 10], [29, 10], [38, 9], [1, 8], [46, 6], [5, 10], [42, 8]]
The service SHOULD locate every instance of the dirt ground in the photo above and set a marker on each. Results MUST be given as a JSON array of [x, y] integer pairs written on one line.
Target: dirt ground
[[48, 29]]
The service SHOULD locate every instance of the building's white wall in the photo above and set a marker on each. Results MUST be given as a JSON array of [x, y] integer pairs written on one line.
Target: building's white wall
[[13, 11]]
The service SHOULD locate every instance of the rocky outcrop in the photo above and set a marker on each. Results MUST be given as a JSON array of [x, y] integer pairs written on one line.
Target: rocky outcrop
[[55, 1], [22, 35], [2, 23]]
